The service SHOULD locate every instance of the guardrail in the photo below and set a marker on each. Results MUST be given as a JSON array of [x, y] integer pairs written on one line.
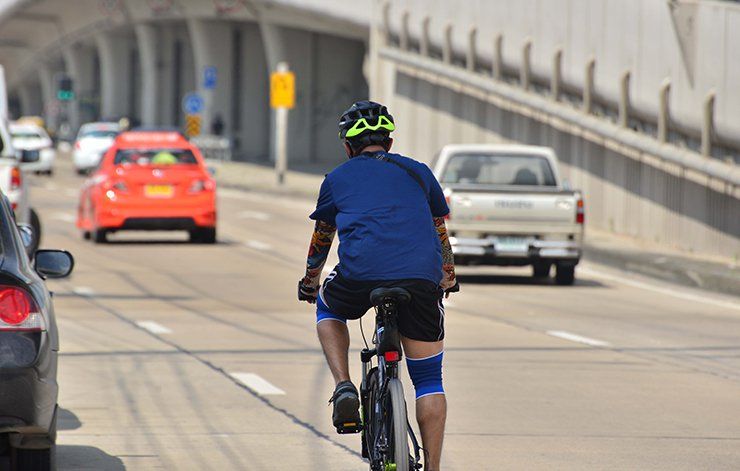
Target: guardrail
[[562, 116], [704, 138]]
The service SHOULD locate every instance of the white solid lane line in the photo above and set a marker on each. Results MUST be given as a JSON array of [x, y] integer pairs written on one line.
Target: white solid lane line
[[660, 289], [153, 327], [577, 338], [258, 215], [83, 291], [257, 384], [257, 245]]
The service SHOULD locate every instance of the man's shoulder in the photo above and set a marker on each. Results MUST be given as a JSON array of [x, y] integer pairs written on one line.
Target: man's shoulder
[[413, 163]]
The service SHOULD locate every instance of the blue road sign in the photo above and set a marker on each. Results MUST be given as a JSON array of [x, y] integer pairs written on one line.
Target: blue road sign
[[192, 103], [210, 77]]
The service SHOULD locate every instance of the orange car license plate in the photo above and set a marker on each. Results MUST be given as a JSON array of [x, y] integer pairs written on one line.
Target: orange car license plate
[[159, 191]]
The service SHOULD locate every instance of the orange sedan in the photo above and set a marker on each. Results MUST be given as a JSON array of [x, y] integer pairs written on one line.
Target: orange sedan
[[149, 181]]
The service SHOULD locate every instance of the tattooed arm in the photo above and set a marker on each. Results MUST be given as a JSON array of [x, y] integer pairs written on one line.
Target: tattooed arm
[[318, 251], [448, 261]]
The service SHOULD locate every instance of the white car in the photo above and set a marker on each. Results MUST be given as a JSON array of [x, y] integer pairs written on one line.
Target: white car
[[32, 138], [92, 141]]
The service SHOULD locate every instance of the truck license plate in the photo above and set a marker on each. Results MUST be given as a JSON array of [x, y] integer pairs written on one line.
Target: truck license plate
[[511, 244]]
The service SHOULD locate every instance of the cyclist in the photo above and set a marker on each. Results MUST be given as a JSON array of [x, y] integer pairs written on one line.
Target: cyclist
[[389, 211]]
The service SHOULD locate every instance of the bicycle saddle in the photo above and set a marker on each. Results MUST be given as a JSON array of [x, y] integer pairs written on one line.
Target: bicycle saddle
[[400, 295]]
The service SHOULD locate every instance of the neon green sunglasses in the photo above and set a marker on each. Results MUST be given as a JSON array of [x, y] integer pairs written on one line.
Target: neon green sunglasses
[[362, 125]]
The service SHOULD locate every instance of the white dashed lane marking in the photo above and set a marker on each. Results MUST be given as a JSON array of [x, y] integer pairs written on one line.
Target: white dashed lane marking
[[153, 327], [66, 217], [83, 291], [258, 215], [257, 245], [577, 338], [258, 384]]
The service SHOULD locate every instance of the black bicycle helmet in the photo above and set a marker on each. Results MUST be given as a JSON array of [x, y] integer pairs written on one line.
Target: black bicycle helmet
[[365, 117]]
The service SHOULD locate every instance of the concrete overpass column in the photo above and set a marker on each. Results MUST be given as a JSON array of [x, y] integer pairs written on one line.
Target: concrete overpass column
[[146, 40], [213, 45], [48, 97], [115, 64], [79, 62], [274, 44], [25, 93]]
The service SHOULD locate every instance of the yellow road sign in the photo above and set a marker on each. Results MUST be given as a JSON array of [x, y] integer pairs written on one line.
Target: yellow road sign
[[192, 125], [282, 90]]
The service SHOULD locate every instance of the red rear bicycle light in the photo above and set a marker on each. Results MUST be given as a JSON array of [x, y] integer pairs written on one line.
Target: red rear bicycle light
[[391, 356], [18, 311]]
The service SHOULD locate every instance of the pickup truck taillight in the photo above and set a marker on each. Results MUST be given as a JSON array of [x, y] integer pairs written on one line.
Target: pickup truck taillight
[[15, 178], [580, 212]]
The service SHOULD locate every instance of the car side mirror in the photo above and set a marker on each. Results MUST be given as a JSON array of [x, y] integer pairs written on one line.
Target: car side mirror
[[567, 186], [54, 263], [212, 171], [30, 155]]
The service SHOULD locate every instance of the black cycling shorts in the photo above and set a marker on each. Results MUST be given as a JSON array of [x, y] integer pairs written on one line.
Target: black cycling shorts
[[422, 319]]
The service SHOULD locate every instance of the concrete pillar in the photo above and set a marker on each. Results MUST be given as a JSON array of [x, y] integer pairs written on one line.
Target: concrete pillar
[[498, 57], [114, 51], [525, 74], [664, 112], [588, 87], [25, 93], [424, 41], [624, 99], [212, 44], [556, 82], [471, 55], [51, 108], [79, 62], [251, 120], [146, 40], [707, 128]]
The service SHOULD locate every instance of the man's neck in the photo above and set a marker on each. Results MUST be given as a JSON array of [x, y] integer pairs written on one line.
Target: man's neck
[[371, 149]]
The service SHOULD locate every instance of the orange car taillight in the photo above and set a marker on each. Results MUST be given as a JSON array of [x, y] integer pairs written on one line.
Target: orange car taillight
[[120, 186], [201, 185], [15, 178], [18, 311]]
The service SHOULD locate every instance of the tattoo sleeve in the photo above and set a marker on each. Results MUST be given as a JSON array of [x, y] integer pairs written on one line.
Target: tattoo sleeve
[[448, 260], [318, 251]]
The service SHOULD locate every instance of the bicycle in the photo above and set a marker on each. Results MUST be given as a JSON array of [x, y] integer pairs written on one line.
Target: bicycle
[[386, 431]]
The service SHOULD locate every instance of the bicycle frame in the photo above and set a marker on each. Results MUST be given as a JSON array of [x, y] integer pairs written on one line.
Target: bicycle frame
[[387, 349]]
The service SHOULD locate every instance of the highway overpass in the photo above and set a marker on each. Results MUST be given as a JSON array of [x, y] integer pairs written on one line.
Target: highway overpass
[[639, 98]]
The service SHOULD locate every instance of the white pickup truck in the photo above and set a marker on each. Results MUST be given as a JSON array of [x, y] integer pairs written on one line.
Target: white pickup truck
[[508, 206], [13, 181]]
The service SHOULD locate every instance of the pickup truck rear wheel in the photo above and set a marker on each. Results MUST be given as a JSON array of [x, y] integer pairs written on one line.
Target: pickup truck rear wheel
[[565, 274], [541, 270]]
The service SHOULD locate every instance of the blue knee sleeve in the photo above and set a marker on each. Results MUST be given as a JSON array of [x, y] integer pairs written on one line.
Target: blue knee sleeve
[[324, 313], [426, 374]]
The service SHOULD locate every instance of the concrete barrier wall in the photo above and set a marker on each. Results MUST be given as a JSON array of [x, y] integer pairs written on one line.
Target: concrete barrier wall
[[639, 36], [626, 192]]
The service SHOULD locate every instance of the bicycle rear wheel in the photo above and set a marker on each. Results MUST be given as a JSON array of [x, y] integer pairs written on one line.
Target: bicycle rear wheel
[[399, 437]]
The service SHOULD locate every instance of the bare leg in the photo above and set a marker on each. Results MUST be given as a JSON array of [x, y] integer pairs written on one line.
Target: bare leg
[[431, 411], [334, 338]]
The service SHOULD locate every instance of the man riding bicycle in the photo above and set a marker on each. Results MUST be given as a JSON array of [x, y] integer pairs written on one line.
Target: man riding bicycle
[[389, 211]]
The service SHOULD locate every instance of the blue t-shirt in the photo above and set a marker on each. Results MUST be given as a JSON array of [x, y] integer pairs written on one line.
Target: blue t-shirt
[[384, 218]]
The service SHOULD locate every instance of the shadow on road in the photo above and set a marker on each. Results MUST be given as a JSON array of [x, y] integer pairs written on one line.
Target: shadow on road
[[67, 420], [486, 279], [122, 297], [78, 457]]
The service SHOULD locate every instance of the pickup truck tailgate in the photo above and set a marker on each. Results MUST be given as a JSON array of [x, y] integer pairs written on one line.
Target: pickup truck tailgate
[[478, 207]]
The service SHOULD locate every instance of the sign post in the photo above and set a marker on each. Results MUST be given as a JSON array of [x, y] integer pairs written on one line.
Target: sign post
[[282, 98], [192, 105]]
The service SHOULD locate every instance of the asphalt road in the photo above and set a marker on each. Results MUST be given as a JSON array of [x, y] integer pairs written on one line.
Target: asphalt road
[[161, 341]]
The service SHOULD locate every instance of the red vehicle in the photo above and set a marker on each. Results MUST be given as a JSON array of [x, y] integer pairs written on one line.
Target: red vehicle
[[149, 181]]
